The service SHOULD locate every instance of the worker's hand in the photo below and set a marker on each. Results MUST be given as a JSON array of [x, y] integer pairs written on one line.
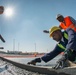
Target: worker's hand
[[61, 62], [45, 31], [65, 55], [63, 58], [33, 62]]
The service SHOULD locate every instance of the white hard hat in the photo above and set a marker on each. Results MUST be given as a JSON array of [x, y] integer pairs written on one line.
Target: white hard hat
[[58, 15]]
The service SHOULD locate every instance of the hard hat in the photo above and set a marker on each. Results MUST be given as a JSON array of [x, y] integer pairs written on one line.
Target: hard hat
[[58, 15], [53, 29]]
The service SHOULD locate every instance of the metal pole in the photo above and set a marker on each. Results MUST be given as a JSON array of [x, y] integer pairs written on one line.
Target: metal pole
[[13, 44], [35, 47], [18, 46]]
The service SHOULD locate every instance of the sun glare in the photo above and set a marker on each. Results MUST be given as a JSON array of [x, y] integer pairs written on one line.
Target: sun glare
[[8, 12]]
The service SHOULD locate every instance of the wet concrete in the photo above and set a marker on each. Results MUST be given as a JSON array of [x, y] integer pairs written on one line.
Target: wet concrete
[[7, 68]]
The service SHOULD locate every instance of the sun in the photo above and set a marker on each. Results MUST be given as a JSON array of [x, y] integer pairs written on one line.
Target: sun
[[8, 12]]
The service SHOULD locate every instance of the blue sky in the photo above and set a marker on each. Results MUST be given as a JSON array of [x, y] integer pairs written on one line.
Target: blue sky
[[29, 20]]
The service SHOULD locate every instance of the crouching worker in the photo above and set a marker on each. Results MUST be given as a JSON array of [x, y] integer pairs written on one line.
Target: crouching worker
[[66, 43]]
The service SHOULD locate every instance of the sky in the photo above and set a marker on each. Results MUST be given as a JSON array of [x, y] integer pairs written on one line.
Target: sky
[[23, 31]]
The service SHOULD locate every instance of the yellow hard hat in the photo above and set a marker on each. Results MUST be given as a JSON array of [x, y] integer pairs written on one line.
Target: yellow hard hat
[[53, 29]]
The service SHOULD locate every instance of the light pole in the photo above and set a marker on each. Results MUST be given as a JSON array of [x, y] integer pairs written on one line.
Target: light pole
[[18, 46], [35, 47], [35, 51], [13, 44]]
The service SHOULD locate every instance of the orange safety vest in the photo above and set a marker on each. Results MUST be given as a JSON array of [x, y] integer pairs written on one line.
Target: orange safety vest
[[68, 23]]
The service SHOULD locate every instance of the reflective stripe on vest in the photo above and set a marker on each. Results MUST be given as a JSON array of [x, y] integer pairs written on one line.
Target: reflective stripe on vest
[[61, 46], [66, 37]]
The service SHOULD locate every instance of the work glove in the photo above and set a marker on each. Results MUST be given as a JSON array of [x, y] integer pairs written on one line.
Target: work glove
[[63, 58], [61, 63], [67, 54], [33, 62], [45, 31]]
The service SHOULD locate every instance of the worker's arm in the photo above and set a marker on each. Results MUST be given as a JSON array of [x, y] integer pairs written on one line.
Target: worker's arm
[[47, 57], [71, 39]]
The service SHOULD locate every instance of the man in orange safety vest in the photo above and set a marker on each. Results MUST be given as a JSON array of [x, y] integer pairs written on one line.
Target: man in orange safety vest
[[65, 22]]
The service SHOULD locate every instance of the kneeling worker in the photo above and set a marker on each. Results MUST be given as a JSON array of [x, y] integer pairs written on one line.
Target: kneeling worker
[[66, 43]]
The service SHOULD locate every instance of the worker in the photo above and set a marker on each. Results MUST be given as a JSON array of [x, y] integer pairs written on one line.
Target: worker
[[66, 22], [66, 43]]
